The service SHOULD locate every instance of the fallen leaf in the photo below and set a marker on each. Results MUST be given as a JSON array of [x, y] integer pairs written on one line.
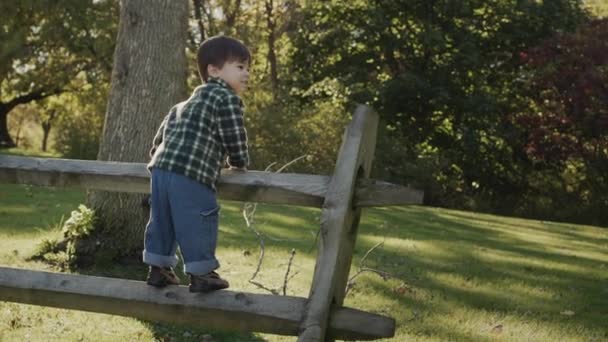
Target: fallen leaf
[[402, 289], [497, 329]]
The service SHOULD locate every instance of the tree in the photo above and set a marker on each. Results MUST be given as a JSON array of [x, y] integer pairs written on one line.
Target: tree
[[564, 130], [148, 78], [443, 76], [45, 45]]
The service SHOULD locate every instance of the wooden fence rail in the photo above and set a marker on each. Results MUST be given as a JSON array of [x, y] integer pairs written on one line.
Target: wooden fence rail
[[225, 310], [250, 186]]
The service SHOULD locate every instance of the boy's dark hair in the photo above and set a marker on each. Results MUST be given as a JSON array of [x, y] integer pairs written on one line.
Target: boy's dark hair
[[218, 50]]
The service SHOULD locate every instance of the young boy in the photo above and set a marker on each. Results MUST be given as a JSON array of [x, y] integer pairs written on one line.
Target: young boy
[[188, 152]]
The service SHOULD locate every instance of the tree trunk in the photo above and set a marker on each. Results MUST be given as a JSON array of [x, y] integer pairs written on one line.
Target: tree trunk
[[199, 7], [46, 131], [272, 57], [5, 138], [47, 124], [148, 78]]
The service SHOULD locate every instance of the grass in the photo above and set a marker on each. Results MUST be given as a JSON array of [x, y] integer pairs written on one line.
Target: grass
[[457, 276], [17, 151]]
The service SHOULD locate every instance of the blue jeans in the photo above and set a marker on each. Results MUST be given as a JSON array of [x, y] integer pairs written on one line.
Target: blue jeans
[[183, 212]]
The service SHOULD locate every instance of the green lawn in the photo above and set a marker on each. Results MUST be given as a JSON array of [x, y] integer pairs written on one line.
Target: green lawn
[[29, 152], [457, 276]]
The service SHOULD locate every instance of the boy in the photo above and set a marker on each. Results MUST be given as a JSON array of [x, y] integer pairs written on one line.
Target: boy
[[187, 155]]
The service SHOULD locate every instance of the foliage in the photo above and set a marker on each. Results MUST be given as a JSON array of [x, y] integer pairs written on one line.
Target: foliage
[[599, 8], [565, 78], [81, 123], [79, 137], [443, 75], [282, 131], [62, 253], [49, 43], [80, 222], [564, 133]]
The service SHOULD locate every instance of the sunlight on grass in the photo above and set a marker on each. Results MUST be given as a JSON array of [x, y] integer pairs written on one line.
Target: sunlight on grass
[[29, 152], [20, 322]]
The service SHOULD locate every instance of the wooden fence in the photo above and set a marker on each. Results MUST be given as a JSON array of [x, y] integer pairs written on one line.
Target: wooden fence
[[320, 317]]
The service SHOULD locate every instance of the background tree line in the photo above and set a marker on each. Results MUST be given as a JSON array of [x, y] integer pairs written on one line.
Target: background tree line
[[497, 106]]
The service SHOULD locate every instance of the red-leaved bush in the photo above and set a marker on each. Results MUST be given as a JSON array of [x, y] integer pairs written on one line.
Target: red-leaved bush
[[566, 79]]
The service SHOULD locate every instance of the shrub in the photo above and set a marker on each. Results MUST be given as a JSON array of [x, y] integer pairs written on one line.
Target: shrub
[[78, 136]]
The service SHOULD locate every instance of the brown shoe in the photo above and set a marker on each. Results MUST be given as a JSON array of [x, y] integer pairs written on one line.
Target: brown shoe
[[207, 283], [162, 276]]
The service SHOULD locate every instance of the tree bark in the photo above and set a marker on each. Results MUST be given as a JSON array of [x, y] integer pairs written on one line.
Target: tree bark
[[148, 78], [199, 7], [272, 57]]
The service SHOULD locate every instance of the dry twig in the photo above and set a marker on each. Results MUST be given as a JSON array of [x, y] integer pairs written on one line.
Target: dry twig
[[293, 254], [362, 269], [248, 212], [248, 215]]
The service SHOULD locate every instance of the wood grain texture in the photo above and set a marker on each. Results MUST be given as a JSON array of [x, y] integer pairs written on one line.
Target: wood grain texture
[[225, 310]]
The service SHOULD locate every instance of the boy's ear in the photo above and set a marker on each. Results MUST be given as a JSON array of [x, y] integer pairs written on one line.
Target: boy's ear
[[212, 70]]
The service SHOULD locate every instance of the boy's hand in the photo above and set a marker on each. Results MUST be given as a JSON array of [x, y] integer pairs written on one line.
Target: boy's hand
[[234, 168]]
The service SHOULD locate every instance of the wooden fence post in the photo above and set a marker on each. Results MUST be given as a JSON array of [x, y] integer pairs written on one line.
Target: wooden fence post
[[339, 223]]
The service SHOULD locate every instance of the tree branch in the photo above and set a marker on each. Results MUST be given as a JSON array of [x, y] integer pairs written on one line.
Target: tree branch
[[293, 254], [35, 95]]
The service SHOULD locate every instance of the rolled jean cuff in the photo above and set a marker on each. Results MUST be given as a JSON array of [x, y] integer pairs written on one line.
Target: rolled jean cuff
[[201, 267], [159, 260]]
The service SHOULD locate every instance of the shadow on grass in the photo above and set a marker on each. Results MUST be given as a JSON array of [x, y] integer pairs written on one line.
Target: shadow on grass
[[525, 268], [484, 267]]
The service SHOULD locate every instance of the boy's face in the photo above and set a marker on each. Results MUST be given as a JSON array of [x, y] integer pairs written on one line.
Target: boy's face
[[235, 73]]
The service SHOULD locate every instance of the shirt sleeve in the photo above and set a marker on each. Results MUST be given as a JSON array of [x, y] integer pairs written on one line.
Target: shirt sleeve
[[158, 138], [232, 131]]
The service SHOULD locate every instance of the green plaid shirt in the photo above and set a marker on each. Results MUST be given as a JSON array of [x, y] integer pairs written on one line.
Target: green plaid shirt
[[197, 134]]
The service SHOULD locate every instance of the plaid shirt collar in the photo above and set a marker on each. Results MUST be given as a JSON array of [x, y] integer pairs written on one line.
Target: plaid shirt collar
[[220, 82]]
